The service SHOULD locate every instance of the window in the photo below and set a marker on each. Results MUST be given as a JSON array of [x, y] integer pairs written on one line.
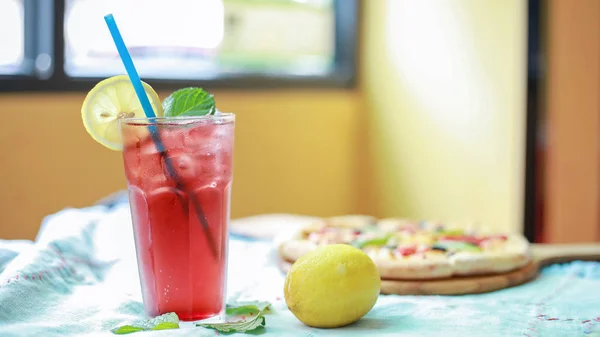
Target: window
[[12, 41], [65, 45]]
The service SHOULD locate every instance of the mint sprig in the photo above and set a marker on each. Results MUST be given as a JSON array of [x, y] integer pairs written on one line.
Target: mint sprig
[[162, 322], [238, 326], [189, 102]]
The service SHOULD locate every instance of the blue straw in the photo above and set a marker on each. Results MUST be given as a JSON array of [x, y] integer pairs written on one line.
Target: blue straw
[[129, 67]]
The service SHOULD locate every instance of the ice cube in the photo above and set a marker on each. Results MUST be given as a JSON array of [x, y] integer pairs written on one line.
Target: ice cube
[[183, 166], [133, 167], [148, 149], [223, 132], [197, 138], [173, 137], [153, 179]]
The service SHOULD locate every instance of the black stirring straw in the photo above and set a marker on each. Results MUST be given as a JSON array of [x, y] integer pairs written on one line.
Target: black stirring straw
[[141, 94]]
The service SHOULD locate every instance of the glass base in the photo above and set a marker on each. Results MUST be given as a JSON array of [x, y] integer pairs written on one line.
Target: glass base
[[199, 317]]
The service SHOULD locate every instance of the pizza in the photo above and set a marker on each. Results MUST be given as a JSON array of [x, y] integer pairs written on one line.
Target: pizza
[[405, 249]]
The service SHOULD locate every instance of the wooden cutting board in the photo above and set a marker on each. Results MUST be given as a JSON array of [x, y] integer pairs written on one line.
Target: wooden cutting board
[[543, 254]]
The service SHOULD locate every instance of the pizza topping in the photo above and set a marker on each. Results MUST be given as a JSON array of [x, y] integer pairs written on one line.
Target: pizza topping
[[451, 232], [463, 238], [377, 241], [474, 240], [371, 229], [423, 238], [407, 250], [313, 237], [439, 248], [493, 243], [423, 248], [412, 226], [458, 246], [408, 231], [496, 237], [330, 236]]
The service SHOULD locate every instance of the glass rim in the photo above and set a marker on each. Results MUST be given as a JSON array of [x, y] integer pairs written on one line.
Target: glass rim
[[221, 117]]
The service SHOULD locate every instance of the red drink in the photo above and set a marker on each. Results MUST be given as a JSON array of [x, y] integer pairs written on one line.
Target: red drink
[[182, 263]]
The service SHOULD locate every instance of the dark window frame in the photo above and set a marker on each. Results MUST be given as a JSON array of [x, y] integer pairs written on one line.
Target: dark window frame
[[47, 17], [536, 79]]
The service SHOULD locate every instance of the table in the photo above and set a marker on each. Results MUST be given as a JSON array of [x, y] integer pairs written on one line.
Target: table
[[92, 286]]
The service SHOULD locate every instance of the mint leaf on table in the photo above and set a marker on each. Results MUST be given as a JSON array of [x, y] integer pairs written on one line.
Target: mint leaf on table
[[125, 329], [243, 309], [189, 102], [166, 326], [247, 308], [238, 326], [162, 322]]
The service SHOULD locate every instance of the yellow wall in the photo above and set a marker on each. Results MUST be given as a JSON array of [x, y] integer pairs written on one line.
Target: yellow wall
[[434, 131], [444, 83], [295, 152]]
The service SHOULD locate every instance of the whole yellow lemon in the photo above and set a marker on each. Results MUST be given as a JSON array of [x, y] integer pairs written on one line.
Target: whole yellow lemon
[[332, 286]]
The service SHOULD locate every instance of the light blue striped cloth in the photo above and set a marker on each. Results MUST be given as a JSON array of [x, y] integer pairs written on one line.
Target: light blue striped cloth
[[79, 278]]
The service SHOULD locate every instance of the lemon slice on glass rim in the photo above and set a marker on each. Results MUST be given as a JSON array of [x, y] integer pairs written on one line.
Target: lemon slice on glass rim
[[109, 101]]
